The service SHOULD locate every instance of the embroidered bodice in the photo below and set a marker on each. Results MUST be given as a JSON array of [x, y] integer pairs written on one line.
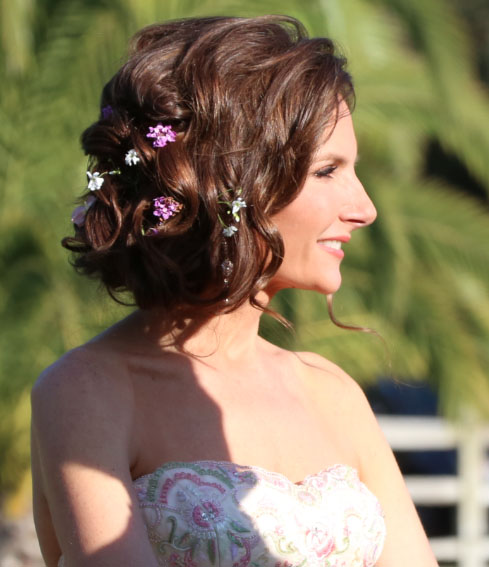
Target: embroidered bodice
[[220, 514], [211, 514]]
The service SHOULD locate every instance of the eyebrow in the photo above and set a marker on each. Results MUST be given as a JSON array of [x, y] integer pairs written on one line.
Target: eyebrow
[[334, 158]]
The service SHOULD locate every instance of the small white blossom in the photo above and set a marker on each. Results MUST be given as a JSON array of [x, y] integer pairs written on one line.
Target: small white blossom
[[229, 231], [132, 157], [236, 205], [95, 180]]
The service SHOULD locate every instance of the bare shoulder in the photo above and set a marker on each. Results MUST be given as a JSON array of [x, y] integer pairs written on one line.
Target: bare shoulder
[[80, 400], [342, 399], [338, 393], [82, 415], [328, 379], [88, 375]]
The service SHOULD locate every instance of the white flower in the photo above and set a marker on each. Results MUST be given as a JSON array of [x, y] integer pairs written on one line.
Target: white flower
[[236, 205], [132, 157], [229, 231], [95, 180]]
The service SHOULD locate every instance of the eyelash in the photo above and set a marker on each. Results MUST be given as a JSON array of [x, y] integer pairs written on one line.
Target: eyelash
[[326, 172]]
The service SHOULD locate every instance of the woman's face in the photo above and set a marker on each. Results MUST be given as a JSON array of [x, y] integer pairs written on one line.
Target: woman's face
[[319, 222]]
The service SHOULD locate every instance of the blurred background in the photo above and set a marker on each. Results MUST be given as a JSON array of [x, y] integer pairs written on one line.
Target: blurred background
[[419, 276]]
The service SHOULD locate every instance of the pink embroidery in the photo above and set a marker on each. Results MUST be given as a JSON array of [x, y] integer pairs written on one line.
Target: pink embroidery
[[169, 483], [204, 514], [320, 542]]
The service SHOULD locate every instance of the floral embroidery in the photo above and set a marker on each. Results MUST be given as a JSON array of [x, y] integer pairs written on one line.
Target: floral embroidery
[[212, 513], [320, 541]]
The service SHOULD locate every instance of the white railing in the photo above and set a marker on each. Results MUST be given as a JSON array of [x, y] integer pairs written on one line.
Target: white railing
[[468, 491]]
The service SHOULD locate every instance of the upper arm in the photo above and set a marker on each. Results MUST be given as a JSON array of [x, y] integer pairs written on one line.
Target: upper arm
[[406, 543], [82, 483]]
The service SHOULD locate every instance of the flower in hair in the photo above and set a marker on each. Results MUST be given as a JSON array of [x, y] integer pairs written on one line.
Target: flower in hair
[[107, 111], [236, 205], [229, 230], [163, 208], [166, 207], [78, 214], [162, 135], [95, 180], [233, 208], [132, 157]]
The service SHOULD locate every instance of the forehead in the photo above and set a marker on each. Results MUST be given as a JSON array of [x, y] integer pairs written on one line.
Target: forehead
[[341, 139]]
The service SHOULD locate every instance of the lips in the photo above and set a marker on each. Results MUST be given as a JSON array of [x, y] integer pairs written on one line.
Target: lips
[[336, 244], [333, 245]]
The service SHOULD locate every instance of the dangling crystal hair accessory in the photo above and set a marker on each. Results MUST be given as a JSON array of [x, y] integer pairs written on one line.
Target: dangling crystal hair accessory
[[163, 208], [226, 265], [233, 209], [96, 179], [162, 135]]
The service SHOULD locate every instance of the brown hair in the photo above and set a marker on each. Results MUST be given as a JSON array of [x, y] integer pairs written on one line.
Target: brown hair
[[249, 100]]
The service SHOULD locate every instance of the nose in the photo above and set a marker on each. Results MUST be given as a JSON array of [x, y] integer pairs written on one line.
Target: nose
[[359, 210]]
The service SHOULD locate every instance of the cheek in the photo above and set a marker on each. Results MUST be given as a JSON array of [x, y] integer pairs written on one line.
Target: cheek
[[295, 217]]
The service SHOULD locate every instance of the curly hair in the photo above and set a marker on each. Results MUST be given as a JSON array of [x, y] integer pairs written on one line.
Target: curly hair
[[249, 99]]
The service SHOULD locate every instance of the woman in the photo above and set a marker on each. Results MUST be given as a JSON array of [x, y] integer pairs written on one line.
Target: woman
[[222, 171]]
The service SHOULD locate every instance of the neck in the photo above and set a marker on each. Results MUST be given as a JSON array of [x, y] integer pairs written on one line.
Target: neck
[[225, 338]]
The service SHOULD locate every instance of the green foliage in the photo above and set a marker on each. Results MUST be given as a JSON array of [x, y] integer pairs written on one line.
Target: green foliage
[[418, 276]]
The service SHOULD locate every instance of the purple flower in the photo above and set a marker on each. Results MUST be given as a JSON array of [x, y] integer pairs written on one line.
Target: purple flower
[[162, 135], [78, 215], [107, 111], [166, 207]]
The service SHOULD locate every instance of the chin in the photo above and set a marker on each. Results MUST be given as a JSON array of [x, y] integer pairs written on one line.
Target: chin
[[324, 283], [328, 286]]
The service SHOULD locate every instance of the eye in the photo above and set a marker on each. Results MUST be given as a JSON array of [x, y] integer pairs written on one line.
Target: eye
[[326, 172]]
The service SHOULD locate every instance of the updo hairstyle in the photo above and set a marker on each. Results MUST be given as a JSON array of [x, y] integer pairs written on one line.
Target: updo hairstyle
[[249, 100]]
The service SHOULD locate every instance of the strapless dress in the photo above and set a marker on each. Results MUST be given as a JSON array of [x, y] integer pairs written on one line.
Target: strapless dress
[[220, 514]]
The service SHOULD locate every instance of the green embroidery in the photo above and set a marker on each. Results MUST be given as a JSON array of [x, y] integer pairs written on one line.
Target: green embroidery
[[234, 539], [211, 551], [238, 527], [151, 490], [172, 520]]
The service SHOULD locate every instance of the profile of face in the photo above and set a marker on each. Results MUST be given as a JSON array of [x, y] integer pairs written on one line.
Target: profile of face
[[330, 206]]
